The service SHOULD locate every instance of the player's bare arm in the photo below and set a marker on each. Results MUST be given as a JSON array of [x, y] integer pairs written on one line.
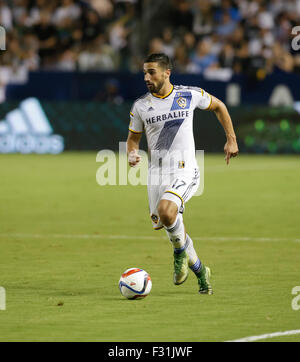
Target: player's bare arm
[[133, 142], [231, 147]]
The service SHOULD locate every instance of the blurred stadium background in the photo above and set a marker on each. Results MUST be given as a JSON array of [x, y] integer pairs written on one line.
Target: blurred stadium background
[[82, 59], [69, 73]]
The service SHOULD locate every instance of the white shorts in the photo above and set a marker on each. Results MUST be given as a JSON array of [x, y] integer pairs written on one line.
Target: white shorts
[[179, 188]]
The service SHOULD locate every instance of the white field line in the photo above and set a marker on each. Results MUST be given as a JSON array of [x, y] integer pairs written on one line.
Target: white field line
[[266, 336], [143, 237]]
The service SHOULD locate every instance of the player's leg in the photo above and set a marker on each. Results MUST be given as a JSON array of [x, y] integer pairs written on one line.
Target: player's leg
[[171, 214], [172, 217], [182, 243], [173, 224], [154, 195], [201, 271]]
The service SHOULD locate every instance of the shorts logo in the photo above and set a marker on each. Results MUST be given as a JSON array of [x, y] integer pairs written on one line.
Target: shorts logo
[[181, 164], [181, 102], [154, 218]]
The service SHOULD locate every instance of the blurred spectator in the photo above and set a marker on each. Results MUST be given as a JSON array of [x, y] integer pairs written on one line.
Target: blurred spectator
[[156, 46], [256, 67], [4, 80], [67, 61], [98, 56], [276, 7], [31, 60], [67, 11], [227, 7], [5, 16], [35, 12], [189, 41], [47, 36], [20, 12], [282, 59], [283, 31], [216, 43], [227, 56], [203, 17], [181, 61], [169, 42], [203, 58], [182, 16], [226, 26], [251, 27], [91, 26], [265, 18], [118, 36], [250, 37], [237, 37], [104, 7], [240, 64]]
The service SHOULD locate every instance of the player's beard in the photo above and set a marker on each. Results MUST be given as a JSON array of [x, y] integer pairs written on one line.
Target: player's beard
[[157, 88]]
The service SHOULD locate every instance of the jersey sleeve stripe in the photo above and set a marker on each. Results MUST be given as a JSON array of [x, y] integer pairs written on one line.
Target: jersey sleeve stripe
[[131, 130], [207, 108]]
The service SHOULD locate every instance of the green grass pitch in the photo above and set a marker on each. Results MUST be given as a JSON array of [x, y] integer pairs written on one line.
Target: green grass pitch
[[64, 242]]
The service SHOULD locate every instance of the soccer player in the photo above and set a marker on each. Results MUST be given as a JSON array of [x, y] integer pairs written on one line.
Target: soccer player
[[165, 114]]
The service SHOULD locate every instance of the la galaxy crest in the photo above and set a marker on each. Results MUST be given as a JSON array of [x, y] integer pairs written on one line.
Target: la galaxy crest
[[181, 101], [154, 218]]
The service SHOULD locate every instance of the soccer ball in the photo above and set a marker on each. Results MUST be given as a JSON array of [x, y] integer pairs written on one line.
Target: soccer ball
[[135, 283]]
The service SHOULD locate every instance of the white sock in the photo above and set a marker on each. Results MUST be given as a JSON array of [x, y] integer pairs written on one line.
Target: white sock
[[176, 234], [194, 262]]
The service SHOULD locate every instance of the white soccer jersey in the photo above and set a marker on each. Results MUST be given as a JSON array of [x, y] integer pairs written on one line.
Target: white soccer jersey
[[168, 125]]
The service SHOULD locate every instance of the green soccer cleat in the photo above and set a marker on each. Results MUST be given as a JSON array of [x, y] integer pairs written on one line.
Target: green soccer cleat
[[181, 268], [203, 281]]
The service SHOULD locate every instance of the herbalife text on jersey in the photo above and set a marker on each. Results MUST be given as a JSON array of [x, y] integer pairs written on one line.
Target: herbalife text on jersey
[[167, 116]]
